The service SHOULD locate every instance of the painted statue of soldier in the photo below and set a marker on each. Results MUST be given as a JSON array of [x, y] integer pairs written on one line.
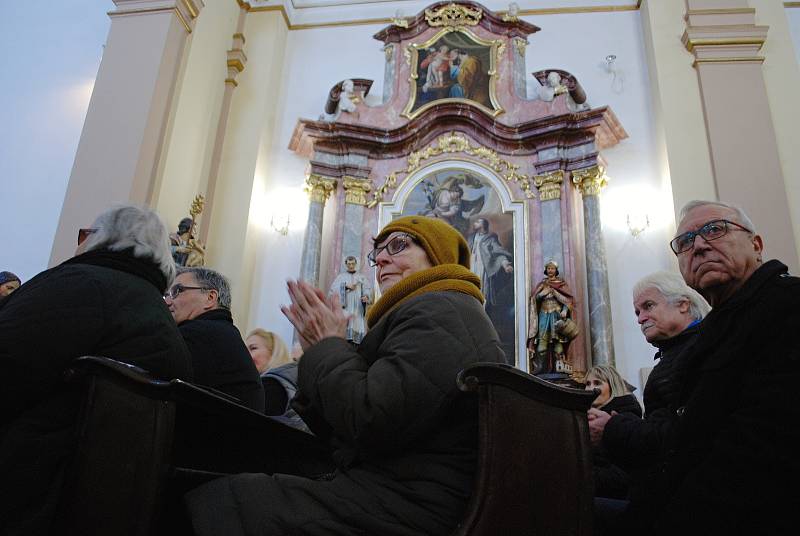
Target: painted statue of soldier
[[550, 327]]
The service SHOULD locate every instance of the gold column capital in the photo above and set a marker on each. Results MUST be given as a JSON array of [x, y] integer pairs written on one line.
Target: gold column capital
[[319, 188], [589, 180], [356, 190], [549, 184]]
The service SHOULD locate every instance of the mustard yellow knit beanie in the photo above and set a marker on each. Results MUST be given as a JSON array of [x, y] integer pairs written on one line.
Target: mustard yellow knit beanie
[[442, 243]]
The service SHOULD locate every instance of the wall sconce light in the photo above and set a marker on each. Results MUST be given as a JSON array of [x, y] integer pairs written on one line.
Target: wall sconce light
[[638, 224], [282, 230]]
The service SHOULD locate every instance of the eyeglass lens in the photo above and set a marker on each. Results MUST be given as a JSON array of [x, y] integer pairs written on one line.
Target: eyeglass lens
[[710, 231], [393, 247]]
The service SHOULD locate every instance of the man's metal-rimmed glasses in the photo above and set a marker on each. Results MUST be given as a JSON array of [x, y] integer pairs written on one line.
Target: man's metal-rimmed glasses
[[176, 289], [392, 247], [709, 231]]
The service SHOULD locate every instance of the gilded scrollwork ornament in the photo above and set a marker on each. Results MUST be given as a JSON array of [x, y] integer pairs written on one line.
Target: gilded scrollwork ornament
[[319, 188], [453, 15], [590, 180], [455, 142], [549, 185], [356, 190]]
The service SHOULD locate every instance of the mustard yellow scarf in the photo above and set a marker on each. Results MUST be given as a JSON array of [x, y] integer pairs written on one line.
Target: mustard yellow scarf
[[452, 277]]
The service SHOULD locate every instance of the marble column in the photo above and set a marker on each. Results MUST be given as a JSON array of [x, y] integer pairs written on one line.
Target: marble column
[[549, 186], [126, 122], [319, 188], [589, 181], [355, 200]]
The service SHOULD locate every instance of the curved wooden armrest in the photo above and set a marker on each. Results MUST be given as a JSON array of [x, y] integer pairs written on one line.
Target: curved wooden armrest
[[473, 376]]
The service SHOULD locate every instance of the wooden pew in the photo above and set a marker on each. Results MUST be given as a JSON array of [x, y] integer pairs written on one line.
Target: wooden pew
[[535, 465]]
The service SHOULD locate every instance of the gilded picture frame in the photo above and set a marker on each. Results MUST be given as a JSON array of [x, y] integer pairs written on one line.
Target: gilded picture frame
[[482, 195], [451, 66]]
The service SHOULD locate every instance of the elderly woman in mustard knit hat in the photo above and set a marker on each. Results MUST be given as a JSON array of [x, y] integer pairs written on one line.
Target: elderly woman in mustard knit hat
[[404, 436]]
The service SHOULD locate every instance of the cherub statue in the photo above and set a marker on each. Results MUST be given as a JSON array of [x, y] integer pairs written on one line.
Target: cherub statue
[[550, 326]]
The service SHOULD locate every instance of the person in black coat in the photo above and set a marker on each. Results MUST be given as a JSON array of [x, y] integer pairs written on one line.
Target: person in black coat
[[106, 301], [731, 461], [200, 302], [668, 312], [404, 436], [615, 397]]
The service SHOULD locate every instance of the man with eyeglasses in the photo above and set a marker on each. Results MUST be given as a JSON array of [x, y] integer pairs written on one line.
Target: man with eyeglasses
[[200, 302], [731, 458]]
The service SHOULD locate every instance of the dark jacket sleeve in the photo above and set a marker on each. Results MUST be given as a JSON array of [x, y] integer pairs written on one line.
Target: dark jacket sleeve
[[388, 400], [632, 442]]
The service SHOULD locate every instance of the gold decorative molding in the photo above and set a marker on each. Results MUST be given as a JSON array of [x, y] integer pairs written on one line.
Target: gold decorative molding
[[734, 59], [400, 22], [520, 44], [239, 35], [722, 11], [508, 17], [449, 144], [590, 180], [356, 190], [691, 43], [453, 15], [407, 55], [500, 49], [791, 4], [319, 188], [549, 185], [388, 50]]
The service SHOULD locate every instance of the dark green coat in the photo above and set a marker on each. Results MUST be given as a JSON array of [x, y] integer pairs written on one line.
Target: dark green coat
[[100, 303], [405, 437]]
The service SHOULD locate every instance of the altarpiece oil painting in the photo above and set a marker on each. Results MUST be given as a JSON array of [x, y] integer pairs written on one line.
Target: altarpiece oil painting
[[453, 66], [474, 201]]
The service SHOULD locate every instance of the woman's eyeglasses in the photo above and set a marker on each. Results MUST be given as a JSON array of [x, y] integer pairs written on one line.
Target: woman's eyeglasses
[[392, 247], [176, 289]]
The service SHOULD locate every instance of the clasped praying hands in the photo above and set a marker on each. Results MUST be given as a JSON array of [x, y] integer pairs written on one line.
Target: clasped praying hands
[[314, 316]]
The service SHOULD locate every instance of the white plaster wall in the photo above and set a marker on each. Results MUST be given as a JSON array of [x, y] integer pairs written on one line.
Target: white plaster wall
[[51, 54], [316, 59], [793, 19]]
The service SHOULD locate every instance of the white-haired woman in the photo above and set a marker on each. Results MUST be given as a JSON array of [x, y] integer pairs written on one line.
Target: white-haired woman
[[105, 301]]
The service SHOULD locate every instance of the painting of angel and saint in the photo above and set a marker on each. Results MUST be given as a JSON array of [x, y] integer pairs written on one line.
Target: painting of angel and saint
[[454, 66], [468, 202]]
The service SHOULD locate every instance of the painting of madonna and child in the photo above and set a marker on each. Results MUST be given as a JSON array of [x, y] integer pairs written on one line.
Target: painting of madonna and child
[[454, 66], [470, 204]]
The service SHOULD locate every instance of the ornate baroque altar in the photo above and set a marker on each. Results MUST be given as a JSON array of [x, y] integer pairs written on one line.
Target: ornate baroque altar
[[456, 136]]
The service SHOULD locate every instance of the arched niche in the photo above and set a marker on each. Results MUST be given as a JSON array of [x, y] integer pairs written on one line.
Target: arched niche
[[485, 196]]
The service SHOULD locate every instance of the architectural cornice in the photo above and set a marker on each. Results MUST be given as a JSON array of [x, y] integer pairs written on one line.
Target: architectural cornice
[[292, 23], [185, 10], [598, 125]]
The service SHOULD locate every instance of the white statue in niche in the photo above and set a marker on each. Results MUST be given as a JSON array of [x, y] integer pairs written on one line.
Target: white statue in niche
[[348, 98], [553, 88]]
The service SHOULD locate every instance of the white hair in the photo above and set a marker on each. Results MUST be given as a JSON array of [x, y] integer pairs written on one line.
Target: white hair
[[675, 290], [740, 214], [138, 228]]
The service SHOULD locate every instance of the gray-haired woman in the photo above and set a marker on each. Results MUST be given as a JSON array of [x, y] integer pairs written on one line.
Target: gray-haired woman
[[105, 301]]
